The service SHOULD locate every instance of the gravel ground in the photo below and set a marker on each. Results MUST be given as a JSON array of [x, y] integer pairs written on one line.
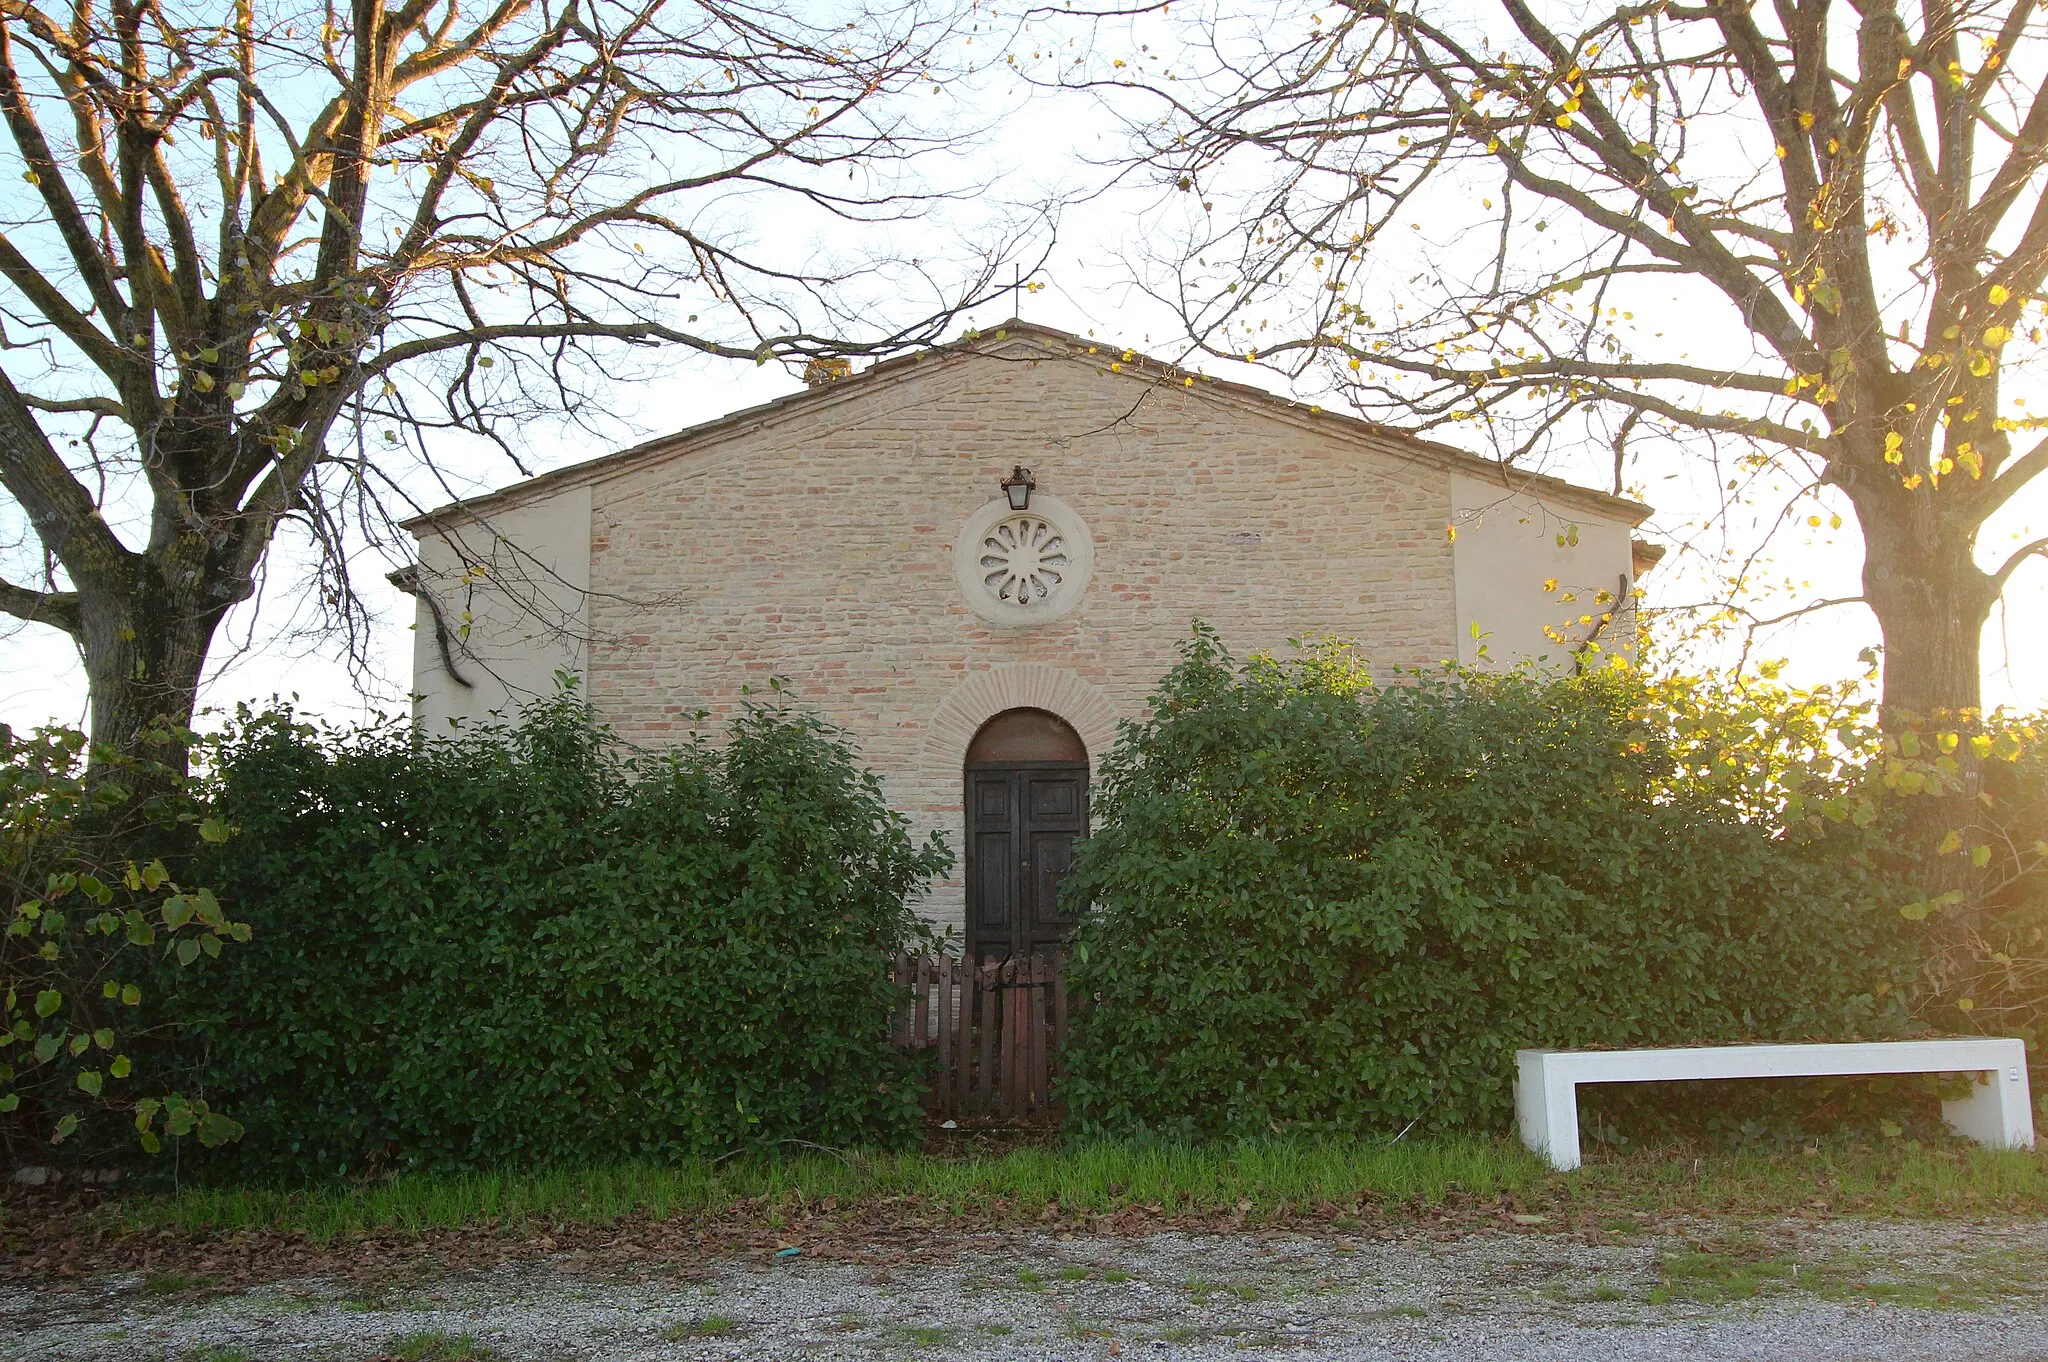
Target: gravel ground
[[1787, 1290]]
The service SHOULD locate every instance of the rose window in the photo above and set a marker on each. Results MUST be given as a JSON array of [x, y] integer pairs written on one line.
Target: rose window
[[1019, 568], [1023, 561]]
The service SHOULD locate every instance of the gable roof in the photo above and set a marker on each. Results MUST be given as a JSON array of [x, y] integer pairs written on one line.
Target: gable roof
[[1021, 336]]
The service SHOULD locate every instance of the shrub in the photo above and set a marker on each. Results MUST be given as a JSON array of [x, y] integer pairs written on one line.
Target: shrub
[[1322, 905], [96, 934], [1991, 971], [529, 944]]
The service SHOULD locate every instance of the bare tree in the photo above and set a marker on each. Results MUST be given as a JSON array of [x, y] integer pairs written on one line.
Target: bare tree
[[257, 243], [1848, 195]]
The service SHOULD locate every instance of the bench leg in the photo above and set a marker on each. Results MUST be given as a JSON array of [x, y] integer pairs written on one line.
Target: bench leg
[[1999, 1112], [1547, 1110]]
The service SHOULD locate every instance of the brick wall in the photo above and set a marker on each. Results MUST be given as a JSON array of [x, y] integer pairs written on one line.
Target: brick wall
[[819, 548], [814, 541]]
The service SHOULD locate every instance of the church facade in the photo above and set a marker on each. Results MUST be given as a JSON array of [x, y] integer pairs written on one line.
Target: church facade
[[977, 560]]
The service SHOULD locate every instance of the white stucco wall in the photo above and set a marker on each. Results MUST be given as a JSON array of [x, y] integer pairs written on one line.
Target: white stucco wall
[[1510, 543], [518, 578]]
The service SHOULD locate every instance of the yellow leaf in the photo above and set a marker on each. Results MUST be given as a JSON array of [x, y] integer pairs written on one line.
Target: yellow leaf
[[2000, 295], [1966, 1004], [1980, 856]]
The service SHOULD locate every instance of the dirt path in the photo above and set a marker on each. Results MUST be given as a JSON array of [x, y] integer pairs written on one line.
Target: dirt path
[[1781, 1291]]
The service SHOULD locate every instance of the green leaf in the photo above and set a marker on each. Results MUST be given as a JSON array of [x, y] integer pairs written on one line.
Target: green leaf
[[64, 1128], [214, 830], [130, 994], [47, 1046], [188, 951], [216, 1130], [90, 1082], [48, 1001], [9, 1101], [120, 1068]]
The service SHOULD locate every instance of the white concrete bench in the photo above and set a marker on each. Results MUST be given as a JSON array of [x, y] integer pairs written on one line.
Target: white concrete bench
[[1998, 1112]]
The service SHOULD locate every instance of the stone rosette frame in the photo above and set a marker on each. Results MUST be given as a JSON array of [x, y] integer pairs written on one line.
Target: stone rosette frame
[[1019, 569]]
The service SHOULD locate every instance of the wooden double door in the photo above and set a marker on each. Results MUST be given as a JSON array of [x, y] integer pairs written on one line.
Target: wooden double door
[[1023, 819]]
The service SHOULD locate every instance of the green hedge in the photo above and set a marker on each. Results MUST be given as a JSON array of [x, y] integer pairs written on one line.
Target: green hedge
[[525, 944], [1322, 905]]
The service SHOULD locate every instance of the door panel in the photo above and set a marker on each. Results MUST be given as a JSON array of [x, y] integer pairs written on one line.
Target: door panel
[[1023, 823], [1054, 798], [992, 850], [1052, 853]]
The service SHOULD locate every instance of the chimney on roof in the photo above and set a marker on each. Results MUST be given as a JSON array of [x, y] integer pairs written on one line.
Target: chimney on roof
[[823, 370]]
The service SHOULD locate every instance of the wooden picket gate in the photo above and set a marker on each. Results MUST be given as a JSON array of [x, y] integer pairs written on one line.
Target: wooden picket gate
[[997, 1028]]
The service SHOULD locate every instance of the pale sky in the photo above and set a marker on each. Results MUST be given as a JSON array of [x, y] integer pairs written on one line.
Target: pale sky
[[1043, 143]]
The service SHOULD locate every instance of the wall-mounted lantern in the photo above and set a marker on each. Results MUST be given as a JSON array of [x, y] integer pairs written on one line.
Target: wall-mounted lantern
[[1017, 487]]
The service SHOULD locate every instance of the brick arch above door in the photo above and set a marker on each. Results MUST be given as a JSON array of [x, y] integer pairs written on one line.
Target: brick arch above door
[[928, 786], [1016, 685]]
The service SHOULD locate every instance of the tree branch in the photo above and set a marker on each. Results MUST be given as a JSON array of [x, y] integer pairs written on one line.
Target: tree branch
[[61, 510], [59, 609], [2037, 549]]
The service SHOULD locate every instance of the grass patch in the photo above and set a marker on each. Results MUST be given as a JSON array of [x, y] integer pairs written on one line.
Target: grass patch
[[1707, 1278], [432, 1345], [1745, 1269], [1098, 1179], [175, 1283], [923, 1335], [1269, 1179], [711, 1326], [1974, 1281]]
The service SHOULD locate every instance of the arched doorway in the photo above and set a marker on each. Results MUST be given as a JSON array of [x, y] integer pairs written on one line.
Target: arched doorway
[[1027, 803]]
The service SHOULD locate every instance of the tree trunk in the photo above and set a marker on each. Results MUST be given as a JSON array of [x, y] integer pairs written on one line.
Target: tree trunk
[[145, 651], [1931, 602], [1921, 579]]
